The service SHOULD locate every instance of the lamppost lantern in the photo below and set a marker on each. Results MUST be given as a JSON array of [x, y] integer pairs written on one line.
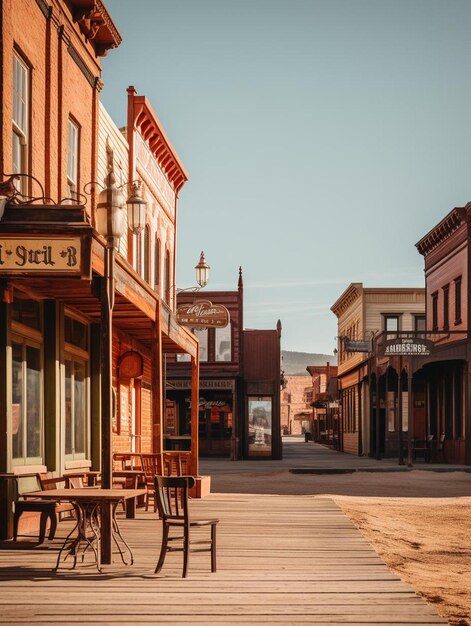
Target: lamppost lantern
[[136, 209], [110, 210], [202, 270]]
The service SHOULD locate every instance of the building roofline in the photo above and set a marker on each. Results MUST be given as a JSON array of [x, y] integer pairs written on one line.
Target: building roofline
[[446, 227]]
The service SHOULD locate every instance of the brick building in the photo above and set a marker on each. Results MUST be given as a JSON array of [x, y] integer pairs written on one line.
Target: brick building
[[52, 257], [296, 411]]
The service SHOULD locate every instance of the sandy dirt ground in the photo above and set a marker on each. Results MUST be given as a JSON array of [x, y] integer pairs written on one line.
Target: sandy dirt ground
[[419, 522], [426, 541]]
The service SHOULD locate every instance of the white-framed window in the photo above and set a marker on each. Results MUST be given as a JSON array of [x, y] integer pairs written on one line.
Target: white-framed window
[[223, 344], [21, 74], [72, 159], [76, 388]]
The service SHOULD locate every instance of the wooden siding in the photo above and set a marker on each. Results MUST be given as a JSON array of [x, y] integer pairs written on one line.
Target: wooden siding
[[352, 317], [261, 355], [406, 305], [444, 273], [109, 133], [350, 443]]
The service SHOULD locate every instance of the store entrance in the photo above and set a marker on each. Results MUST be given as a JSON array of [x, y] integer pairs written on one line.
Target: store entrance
[[215, 428]]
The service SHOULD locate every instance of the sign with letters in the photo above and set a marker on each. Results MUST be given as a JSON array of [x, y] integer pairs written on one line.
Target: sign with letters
[[203, 314], [406, 346], [40, 255]]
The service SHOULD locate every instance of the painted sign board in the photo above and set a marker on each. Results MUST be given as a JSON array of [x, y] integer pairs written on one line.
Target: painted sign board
[[203, 314], [406, 346], [357, 346], [40, 255]]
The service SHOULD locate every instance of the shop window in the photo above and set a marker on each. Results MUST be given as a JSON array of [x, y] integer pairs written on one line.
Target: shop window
[[458, 300], [446, 307], [223, 344], [75, 332], [21, 80], [26, 312], [72, 160], [76, 388], [26, 410], [435, 310], [76, 422]]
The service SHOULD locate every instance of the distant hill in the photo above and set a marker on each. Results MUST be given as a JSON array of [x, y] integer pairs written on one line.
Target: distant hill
[[294, 363]]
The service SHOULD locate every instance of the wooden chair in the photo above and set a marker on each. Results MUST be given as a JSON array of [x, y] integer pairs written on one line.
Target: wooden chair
[[48, 509], [176, 463], [172, 499], [151, 465]]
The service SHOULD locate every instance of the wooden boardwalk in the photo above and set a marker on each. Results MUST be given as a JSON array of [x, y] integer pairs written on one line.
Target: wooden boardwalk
[[281, 560]]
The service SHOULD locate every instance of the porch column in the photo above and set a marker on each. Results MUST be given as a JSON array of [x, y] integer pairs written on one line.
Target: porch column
[[399, 414], [157, 385], [410, 412], [195, 392]]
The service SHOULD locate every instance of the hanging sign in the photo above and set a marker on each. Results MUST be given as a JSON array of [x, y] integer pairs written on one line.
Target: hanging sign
[[203, 314], [410, 346], [40, 255], [357, 346]]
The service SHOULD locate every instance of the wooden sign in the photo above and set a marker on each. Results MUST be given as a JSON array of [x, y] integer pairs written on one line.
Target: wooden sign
[[40, 255], [351, 345], [203, 314], [406, 347], [131, 365]]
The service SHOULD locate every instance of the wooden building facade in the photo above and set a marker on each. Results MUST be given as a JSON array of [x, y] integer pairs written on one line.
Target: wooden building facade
[[363, 384], [52, 257], [239, 386]]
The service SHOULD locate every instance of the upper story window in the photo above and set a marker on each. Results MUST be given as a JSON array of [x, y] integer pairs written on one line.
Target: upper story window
[[391, 324], [72, 160], [419, 323], [446, 307], [138, 252], [146, 254], [458, 300], [167, 277], [435, 310], [21, 79], [223, 344], [157, 263]]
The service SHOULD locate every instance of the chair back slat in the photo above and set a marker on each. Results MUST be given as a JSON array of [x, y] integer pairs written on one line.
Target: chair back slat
[[24, 484], [172, 496]]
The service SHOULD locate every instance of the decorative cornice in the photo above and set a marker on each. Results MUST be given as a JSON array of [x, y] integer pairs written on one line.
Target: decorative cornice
[[348, 297], [96, 25], [443, 230], [148, 124]]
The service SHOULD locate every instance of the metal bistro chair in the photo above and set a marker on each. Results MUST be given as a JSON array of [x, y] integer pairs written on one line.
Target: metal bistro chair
[[172, 500]]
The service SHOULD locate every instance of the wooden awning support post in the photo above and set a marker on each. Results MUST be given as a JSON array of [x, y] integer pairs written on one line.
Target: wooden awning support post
[[195, 400], [157, 386]]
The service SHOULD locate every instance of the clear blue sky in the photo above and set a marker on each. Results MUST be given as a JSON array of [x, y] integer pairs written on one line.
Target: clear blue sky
[[323, 139]]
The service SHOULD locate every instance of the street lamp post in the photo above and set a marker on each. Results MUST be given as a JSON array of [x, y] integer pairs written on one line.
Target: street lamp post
[[111, 224]]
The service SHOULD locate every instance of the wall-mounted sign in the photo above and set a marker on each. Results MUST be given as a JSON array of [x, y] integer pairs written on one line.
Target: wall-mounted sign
[[40, 255], [204, 384], [407, 346], [203, 314], [357, 346], [131, 365]]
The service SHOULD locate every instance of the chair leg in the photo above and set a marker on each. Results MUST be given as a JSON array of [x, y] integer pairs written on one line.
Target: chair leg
[[147, 501], [53, 526], [42, 526], [163, 549], [213, 547], [16, 518], [186, 550]]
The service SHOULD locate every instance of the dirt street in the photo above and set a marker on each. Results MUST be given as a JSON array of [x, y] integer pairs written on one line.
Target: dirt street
[[418, 521]]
